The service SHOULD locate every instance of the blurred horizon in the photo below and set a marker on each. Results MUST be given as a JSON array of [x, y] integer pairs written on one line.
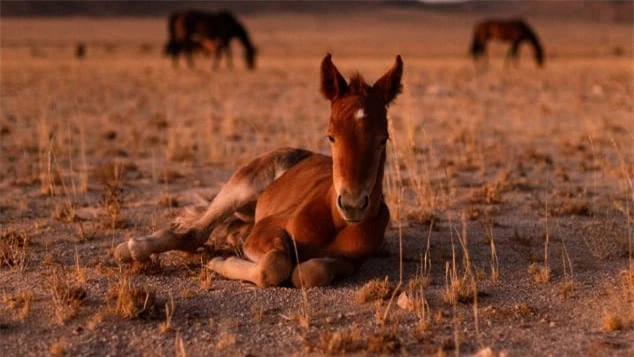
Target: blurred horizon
[[607, 10]]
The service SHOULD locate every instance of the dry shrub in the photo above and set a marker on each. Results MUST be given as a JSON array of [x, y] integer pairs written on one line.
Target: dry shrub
[[64, 211], [151, 266], [95, 320], [352, 341], [112, 200], [384, 342], [572, 208], [375, 290], [488, 194], [113, 171], [169, 175], [20, 302], [540, 273], [459, 290], [612, 322], [131, 302], [226, 340], [14, 249], [621, 299], [566, 289], [67, 296], [338, 342], [167, 200], [58, 348]]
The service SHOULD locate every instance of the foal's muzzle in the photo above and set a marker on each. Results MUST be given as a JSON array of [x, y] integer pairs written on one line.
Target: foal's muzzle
[[353, 208]]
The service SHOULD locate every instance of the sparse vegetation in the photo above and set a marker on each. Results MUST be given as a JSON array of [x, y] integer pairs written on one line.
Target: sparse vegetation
[[510, 190]]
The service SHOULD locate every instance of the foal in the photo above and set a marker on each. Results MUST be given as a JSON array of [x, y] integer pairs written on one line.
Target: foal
[[317, 218]]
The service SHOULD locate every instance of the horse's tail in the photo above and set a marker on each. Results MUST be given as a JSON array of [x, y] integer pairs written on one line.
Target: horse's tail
[[537, 46]]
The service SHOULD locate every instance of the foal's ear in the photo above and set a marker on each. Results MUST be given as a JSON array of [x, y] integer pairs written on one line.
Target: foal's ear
[[332, 82], [389, 86]]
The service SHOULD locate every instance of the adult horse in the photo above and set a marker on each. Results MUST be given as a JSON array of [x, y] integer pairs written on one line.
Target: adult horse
[[317, 218], [515, 31], [209, 32]]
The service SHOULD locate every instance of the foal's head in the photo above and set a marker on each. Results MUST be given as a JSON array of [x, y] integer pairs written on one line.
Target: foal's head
[[358, 134]]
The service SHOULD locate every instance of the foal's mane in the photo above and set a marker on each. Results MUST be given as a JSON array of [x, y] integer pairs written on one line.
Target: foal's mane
[[358, 85]]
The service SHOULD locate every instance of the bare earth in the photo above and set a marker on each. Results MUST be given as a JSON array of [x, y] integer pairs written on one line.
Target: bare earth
[[510, 190]]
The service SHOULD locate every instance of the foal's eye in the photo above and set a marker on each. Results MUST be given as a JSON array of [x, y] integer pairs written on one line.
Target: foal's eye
[[331, 138], [384, 141]]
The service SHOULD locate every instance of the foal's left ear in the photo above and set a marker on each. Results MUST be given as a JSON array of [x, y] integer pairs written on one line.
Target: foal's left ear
[[389, 86], [333, 84]]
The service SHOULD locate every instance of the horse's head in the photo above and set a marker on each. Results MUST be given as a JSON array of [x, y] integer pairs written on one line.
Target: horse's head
[[358, 133]]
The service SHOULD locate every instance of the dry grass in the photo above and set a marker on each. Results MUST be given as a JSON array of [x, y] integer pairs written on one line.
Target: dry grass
[[14, 249], [20, 303], [536, 163], [66, 295], [375, 290], [129, 301], [59, 348]]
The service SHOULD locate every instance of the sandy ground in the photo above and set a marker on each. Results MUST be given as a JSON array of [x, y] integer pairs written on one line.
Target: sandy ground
[[516, 181]]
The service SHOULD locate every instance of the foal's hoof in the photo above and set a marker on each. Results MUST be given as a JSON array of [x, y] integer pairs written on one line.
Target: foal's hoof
[[122, 253], [130, 251], [215, 264]]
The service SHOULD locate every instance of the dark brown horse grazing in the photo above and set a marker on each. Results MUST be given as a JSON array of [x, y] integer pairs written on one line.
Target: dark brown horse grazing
[[515, 31], [208, 32], [317, 218]]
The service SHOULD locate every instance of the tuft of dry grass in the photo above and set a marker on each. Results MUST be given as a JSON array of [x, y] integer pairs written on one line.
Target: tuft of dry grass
[[339, 342], [131, 302], [67, 295], [167, 326], [566, 288], [167, 200], [14, 249], [20, 302], [112, 200], [353, 341], [96, 320], [540, 273], [226, 340], [375, 290], [612, 322], [65, 211], [59, 348]]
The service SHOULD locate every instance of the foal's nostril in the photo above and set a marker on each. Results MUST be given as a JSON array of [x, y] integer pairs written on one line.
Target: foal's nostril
[[339, 203], [364, 203]]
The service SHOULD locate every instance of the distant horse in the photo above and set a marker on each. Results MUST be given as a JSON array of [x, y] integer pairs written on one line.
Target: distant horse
[[317, 218], [207, 32], [515, 31]]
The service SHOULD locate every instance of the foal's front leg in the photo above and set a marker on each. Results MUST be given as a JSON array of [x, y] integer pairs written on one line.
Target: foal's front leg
[[321, 272], [269, 257]]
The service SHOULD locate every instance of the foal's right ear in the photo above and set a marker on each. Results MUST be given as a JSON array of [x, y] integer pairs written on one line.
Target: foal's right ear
[[332, 82]]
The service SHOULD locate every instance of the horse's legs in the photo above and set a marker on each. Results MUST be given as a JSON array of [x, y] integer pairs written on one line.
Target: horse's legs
[[242, 190], [188, 49], [268, 249], [229, 56], [320, 272], [218, 55], [512, 55]]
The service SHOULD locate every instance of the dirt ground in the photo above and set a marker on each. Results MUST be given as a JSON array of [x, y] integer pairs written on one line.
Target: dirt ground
[[510, 189]]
